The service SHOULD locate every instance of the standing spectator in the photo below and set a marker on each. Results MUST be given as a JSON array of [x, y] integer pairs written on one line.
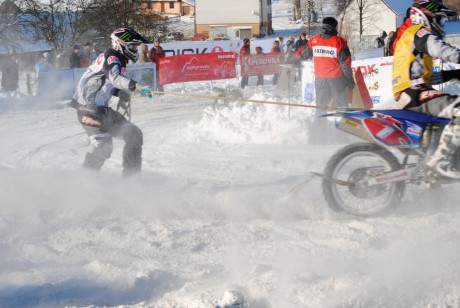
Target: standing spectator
[[10, 72], [102, 80], [290, 52], [275, 49], [281, 41], [332, 63], [400, 30], [299, 47], [301, 42], [86, 54], [380, 41], [388, 44], [75, 57], [143, 49], [44, 65], [260, 78], [244, 50], [154, 55]]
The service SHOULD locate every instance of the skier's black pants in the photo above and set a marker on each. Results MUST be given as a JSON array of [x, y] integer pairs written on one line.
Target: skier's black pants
[[100, 127]]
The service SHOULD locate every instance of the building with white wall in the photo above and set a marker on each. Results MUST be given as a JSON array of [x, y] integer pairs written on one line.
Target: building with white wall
[[377, 16], [234, 13]]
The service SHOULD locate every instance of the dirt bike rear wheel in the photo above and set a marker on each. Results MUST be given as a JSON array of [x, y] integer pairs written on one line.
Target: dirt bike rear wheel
[[344, 186]]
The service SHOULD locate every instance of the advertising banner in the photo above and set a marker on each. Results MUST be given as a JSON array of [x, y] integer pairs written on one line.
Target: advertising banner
[[377, 75], [261, 64], [185, 68], [199, 47]]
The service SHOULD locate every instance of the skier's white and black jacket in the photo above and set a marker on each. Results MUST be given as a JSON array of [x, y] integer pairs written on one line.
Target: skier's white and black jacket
[[104, 78]]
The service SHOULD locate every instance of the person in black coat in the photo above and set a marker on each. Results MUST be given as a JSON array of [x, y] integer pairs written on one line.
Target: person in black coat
[[75, 57], [10, 72]]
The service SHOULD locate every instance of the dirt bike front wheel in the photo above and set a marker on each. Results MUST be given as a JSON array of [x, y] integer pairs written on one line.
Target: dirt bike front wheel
[[344, 183]]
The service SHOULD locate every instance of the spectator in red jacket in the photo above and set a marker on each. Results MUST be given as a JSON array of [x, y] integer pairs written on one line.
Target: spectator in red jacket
[[244, 50], [154, 55], [260, 78], [332, 63], [275, 49], [85, 54]]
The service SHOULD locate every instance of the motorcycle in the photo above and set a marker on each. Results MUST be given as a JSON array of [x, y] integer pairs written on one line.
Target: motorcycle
[[369, 178]]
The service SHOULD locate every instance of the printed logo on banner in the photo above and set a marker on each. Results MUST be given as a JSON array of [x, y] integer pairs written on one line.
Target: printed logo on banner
[[375, 99], [261, 64], [225, 70], [195, 65], [185, 68], [325, 51], [217, 49], [367, 70]]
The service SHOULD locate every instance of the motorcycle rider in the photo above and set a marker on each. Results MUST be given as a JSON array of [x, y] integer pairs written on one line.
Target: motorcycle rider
[[104, 78], [413, 77]]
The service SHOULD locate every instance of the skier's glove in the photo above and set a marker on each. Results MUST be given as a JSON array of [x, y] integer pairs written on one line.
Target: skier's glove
[[144, 90]]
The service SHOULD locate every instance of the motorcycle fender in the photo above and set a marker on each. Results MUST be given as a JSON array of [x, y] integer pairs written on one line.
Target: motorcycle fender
[[393, 176], [386, 133]]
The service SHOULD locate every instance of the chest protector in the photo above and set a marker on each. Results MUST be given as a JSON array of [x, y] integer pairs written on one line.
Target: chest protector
[[404, 57], [325, 55]]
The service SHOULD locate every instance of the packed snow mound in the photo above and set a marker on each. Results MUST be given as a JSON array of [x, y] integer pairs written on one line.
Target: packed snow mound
[[237, 122]]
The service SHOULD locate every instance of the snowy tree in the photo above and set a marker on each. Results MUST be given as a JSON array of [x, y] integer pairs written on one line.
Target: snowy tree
[[58, 22], [9, 23]]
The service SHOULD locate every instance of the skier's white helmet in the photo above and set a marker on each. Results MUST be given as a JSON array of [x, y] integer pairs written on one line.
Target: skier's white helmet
[[127, 40]]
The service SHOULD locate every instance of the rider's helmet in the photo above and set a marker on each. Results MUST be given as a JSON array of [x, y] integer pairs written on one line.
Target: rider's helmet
[[432, 14], [126, 41]]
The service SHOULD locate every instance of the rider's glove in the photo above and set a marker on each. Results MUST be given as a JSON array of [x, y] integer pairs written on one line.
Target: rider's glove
[[452, 74]]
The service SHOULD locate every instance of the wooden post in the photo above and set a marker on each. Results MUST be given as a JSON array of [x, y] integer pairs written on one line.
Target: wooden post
[[29, 85]]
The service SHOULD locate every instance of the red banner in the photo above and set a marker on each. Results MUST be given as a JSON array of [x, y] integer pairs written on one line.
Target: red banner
[[210, 66], [261, 64]]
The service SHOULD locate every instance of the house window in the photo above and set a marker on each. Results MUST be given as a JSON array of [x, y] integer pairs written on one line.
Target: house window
[[171, 5], [269, 2]]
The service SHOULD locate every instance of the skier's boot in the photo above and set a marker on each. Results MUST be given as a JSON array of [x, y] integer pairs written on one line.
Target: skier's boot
[[442, 160]]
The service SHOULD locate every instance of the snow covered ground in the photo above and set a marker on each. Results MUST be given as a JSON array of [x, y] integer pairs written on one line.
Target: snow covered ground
[[214, 209], [211, 211]]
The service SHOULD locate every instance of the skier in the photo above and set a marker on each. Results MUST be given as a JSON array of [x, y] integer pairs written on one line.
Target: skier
[[104, 78], [413, 77]]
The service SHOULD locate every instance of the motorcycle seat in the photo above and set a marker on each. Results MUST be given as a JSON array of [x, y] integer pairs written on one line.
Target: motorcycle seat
[[413, 116]]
